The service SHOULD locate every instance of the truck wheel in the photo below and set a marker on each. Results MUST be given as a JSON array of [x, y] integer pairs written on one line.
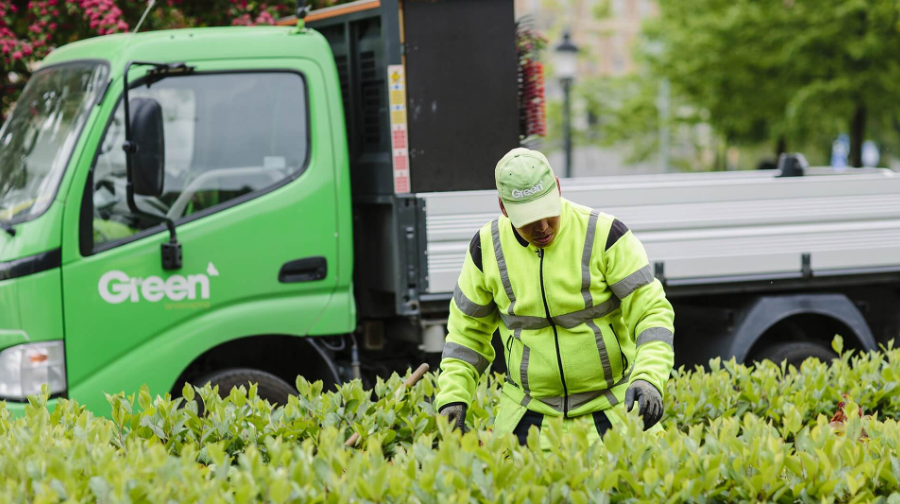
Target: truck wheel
[[795, 352], [270, 387]]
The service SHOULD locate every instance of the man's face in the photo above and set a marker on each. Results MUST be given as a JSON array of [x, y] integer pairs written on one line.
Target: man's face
[[541, 233]]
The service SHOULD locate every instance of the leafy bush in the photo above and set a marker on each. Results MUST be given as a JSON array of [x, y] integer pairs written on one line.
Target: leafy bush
[[771, 391], [733, 434]]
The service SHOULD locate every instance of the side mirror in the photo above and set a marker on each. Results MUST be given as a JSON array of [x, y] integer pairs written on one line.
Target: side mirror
[[145, 153], [149, 156]]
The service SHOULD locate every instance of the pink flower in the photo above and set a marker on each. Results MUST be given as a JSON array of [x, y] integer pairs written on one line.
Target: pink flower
[[17, 55], [265, 18], [52, 26]]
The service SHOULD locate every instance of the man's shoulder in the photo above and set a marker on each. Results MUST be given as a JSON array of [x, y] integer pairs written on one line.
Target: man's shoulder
[[475, 245], [486, 229], [576, 208], [608, 225], [604, 220]]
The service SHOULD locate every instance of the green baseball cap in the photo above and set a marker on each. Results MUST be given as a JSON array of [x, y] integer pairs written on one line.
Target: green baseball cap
[[527, 186]]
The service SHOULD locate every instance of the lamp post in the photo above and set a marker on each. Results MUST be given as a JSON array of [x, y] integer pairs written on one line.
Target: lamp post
[[565, 59]]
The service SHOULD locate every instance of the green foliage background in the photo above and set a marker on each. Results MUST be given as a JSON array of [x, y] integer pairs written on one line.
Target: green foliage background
[[766, 75], [732, 435]]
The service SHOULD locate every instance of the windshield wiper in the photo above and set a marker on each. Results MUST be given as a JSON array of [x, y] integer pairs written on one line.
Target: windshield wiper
[[8, 228]]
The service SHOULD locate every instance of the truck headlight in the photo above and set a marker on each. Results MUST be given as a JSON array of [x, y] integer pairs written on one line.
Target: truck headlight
[[24, 368]]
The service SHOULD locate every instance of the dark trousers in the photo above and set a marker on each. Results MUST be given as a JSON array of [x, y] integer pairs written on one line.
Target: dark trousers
[[601, 422]]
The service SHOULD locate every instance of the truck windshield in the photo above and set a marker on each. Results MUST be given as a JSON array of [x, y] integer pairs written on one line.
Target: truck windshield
[[37, 139]]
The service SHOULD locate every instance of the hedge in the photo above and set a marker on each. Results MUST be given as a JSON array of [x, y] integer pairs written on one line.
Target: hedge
[[733, 434]]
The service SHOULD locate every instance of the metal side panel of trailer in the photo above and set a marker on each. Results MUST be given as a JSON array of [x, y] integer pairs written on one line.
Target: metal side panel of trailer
[[706, 229]]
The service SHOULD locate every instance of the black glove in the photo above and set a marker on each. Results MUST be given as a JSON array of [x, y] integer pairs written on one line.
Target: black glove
[[649, 401], [456, 413]]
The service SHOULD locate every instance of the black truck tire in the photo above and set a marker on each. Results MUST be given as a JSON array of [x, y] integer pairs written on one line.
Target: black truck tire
[[795, 352], [270, 387]]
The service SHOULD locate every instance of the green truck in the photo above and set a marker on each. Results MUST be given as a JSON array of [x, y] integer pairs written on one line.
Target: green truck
[[202, 237], [287, 200]]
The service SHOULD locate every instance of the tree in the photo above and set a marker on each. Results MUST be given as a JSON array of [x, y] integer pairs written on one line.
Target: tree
[[845, 60], [723, 57], [783, 70]]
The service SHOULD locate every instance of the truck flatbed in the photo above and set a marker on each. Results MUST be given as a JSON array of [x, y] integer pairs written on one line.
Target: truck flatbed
[[713, 228]]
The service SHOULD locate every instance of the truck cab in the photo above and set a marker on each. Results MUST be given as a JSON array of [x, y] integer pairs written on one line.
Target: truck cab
[[256, 182]]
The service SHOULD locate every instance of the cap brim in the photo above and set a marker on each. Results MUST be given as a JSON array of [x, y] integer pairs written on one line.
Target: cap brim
[[522, 214]]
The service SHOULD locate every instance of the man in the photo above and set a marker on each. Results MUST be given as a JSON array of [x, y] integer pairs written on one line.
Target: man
[[585, 324]]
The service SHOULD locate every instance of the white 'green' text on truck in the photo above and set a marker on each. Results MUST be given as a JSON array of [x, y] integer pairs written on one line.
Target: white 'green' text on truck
[[298, 200]]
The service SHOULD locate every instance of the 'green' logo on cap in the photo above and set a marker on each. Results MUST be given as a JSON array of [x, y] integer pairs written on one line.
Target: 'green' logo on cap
[[528, 192]]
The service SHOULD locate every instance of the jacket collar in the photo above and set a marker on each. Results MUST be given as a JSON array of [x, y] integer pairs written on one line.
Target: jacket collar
[[522, 241]]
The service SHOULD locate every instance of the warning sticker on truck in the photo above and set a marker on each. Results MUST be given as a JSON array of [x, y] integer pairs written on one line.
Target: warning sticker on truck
[[399, 144]]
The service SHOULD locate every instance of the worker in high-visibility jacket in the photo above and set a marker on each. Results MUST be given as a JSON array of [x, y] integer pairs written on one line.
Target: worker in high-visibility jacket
[[585, 324]]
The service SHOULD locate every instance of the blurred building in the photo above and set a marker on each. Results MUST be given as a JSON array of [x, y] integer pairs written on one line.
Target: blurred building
[[605, 31]]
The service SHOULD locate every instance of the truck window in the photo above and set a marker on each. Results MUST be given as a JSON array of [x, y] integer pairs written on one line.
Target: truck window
[[227, 136], [42, 130]]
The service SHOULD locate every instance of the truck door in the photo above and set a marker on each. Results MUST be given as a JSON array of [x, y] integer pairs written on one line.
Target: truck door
[[249, 181]]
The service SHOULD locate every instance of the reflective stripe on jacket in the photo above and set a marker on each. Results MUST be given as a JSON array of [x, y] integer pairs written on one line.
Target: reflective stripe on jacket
[[580, 320]]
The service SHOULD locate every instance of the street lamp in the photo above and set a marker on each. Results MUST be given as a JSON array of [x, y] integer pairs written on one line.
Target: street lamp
[[566, 63]]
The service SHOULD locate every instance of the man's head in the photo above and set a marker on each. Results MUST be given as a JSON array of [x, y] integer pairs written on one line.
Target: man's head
[[529, 195]]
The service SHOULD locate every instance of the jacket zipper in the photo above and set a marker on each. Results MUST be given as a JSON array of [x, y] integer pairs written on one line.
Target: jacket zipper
[[509, 343], [562, 375], [621, 353]]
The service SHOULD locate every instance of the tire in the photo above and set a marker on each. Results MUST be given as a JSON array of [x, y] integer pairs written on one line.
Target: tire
[[795, 352], [270, 387]]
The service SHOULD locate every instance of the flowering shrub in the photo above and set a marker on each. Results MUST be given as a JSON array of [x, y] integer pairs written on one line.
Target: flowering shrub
[[30, 29]]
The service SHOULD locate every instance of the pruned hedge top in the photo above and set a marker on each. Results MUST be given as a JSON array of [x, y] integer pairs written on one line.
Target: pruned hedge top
[[732, 435]]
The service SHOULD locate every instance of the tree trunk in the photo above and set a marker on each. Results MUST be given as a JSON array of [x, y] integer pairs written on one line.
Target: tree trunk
[[720, 163], [857, 135], [780, 147]]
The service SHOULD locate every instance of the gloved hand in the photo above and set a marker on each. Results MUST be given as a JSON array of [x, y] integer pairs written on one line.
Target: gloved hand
[[650, 405], [456, 412]]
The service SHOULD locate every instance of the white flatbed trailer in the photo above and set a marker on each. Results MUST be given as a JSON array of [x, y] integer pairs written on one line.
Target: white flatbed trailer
[[789, 257]]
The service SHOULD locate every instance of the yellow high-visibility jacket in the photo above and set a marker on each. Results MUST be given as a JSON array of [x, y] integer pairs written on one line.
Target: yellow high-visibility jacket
[[580, 319]]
